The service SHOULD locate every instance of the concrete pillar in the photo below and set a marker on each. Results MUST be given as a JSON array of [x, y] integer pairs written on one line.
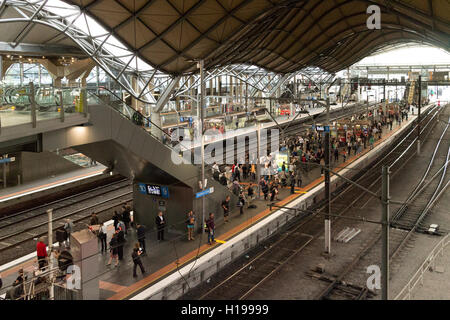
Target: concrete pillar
[[57, 82], [84, 248], [1, 68], [21, 72], [155, 117], [230, 92]]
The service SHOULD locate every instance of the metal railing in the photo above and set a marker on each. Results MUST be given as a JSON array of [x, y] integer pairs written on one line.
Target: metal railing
[[405, 293]]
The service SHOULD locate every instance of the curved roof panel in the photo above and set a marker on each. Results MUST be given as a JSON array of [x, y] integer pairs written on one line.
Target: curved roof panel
[[279, 35]]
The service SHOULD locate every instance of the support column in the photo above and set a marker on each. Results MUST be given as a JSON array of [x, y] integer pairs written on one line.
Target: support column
[[418, 115], [385, 234], [155, 118], [21, 72], [33, 105], [1, 68], [327, 194]]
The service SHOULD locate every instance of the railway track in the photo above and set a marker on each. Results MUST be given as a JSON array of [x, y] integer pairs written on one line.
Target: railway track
[[407, 219], [21, 227], [309, 226]]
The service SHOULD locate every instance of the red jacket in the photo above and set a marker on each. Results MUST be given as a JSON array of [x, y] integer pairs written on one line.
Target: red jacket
[[41, 249]]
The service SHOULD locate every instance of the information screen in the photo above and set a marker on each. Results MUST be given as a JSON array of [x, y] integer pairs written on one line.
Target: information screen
[[153, 190]]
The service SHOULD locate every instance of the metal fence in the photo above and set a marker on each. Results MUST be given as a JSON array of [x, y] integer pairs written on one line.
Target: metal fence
[[406, 292]]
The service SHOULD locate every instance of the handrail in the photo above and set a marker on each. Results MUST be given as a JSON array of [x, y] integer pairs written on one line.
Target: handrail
[[140, 115], [418, 275]]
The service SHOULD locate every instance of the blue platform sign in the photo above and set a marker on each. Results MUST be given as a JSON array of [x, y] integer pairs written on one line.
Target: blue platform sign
[[154, 190], [8, 160], [142, 188], [204, 192], [165, 192]]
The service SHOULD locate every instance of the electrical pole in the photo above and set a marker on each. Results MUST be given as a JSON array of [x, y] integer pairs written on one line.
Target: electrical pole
[[200, 65], [385, 234], [418, 115], [327, 221], [50, 249], [258, 160]]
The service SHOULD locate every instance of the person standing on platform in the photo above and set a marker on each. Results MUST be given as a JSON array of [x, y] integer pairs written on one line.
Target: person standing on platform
[[292, 182], [121, 225], [241, 202], [160, 225], [211, 228], [113, 248], [115, 219], [94, 219], [68, 227], [190, 223], [141, 236], [41, 250], [137, 261], [126, 217], [299, 177], [120, 243], [226, 208], [102, 233]]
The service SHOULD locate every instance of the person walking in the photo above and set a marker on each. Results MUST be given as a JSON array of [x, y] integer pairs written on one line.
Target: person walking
[[41, 250], [140, 230], [226, 208], [160, 225], [102, 233], [190, 223], [264, 187], [136, 256], [241, 202], [211, 228], [113, 249]]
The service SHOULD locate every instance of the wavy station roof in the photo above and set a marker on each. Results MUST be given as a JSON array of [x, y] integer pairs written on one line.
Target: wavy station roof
[[281, 36]]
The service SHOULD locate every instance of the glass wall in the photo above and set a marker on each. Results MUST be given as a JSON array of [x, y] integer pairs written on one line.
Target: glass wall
[[23, 73]]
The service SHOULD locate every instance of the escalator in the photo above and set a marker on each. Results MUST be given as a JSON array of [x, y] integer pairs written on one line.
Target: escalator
[[129, 144]]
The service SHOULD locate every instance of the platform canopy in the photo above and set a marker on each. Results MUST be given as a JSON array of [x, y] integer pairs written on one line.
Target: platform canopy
[[280, 36]]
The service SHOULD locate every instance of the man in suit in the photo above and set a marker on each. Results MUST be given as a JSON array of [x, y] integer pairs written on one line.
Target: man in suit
[[160, 225]]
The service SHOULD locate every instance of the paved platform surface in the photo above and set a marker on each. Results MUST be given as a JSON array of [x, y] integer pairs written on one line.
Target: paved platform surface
[[49, 182], [165, 257]]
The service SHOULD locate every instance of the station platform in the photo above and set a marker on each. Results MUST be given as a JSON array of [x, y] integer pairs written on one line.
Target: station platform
[[40, 185], [168, 257]]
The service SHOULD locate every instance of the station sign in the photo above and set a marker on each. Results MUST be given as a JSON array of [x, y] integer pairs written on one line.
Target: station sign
[[321, 128], [8, 160], [204, 192], [154, 190]]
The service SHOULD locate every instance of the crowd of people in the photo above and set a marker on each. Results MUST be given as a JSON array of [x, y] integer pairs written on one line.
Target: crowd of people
[[305, 152]]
